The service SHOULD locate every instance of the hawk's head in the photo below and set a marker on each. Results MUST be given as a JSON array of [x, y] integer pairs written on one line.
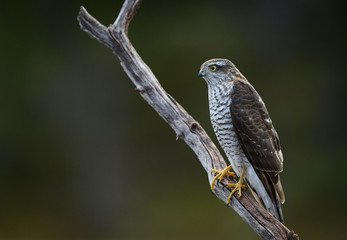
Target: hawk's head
[[218, 70]]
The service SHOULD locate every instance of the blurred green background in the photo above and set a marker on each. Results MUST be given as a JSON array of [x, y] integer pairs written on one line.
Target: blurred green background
[[83, 156]]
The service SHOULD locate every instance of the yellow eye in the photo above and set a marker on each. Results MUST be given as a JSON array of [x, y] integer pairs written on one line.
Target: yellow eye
[[213, 68]]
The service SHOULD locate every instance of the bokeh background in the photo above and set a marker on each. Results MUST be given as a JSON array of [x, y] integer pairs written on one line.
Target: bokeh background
[[83, 156]]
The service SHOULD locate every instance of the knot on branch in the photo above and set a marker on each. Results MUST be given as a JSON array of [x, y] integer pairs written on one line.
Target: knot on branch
[[194, 127]]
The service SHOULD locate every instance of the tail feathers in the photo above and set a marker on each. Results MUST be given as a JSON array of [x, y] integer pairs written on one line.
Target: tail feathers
[[279, 190], [279, 211], [272, 199], [274, 177]]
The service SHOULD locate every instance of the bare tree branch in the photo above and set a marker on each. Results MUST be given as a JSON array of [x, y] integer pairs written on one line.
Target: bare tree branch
[[116, 38]]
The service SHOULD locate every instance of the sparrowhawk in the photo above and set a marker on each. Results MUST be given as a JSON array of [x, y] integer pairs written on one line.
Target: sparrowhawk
[[244, 130]]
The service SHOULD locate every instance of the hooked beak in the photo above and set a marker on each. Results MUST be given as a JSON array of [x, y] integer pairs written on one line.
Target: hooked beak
[[201, 73]]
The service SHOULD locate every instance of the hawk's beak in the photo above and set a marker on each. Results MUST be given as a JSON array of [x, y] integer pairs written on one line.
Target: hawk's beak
[[201, 73]]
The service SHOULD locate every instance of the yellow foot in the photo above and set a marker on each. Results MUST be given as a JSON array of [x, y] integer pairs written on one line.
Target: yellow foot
[[237, 187], [220, 175]]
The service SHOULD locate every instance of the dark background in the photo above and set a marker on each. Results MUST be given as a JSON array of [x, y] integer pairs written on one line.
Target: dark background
[[83, 156]]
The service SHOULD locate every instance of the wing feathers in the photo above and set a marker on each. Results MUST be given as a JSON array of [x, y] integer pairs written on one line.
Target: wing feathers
[[254, 128], [259, 140]]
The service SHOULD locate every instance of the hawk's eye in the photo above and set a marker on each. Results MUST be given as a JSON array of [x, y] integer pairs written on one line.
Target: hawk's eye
[[213, 68]]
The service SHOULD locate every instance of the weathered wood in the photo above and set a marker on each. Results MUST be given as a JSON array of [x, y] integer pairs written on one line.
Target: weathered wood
[[116, 38]]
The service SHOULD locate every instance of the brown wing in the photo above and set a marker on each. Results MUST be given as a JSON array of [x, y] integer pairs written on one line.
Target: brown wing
[[257, 136], [254, 129]]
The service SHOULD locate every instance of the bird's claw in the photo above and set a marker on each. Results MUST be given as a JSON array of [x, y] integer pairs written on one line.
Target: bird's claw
[[237, 187], [220, 175]]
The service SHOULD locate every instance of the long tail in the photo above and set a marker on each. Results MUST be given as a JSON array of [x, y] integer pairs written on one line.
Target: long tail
[[275, 195]]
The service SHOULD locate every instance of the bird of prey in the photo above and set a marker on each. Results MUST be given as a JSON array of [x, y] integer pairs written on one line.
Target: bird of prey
[[244, 130]]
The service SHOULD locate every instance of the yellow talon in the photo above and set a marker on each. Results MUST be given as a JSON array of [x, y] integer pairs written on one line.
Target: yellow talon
[[238, 186], [220, 175]]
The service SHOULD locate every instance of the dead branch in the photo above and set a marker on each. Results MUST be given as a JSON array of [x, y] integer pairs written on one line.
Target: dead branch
[[116, 38]]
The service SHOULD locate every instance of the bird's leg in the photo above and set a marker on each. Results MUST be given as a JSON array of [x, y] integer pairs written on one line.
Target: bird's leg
[[238, 186], [221, 174]]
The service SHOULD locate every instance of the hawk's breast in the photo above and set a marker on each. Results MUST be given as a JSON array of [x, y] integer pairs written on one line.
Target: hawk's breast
[[220, 101]]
